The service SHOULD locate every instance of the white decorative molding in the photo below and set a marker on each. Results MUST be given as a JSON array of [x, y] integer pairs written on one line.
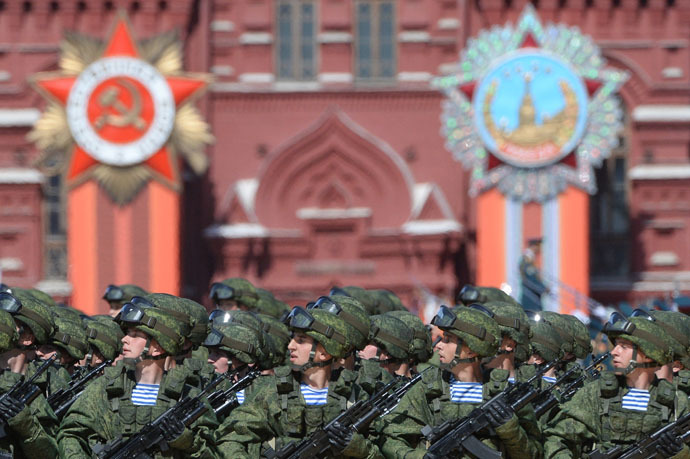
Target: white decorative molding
[[20, 175], [661, 113], [263, 78], [414, 36], [334, 37], [222, 70], [415, 76], [296, 86], [222, 26], [310, 213], [11, 264], [672, 72], [236, 231], [256, 38], [660, 172], [5, 76], [664, 258], [55, 287], [19, 117], [430, 227], [421, 193], [447, 68], [448, 23], [335, 77]]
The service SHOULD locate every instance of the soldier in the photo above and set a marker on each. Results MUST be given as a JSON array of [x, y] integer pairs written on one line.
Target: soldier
[[624, 405], [68, 341], [234, 293], [299, 400], [25, 435], [269, 305], [278, 337], [469, 334], [127, 397], [390, 344], [515, 333], [105, 340], [118, 295], [544, 348], [677, 326]]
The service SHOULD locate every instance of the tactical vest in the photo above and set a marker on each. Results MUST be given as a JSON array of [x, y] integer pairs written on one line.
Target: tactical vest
[[132, 418], [622, 427], [681, 381], [297, 419]]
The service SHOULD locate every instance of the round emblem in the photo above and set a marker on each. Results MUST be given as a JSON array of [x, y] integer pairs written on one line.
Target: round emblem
[[530, 109], [121, 110]]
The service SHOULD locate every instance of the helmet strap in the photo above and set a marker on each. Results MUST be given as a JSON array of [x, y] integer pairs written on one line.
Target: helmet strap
[[634, 364], [311, 363], [457, 360]]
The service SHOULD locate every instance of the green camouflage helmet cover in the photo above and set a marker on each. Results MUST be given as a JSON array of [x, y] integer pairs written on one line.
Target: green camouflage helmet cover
[[582, 343], [392, 335], [475, 329], [647, 335], [677, 326], [561, 326], [387, 301], [512, 321], [199, 320], [161, 326], [474, 294], [244, 292], [125, 291], [278, 336], [338, 345], [34, 314], [270, 305], [8, 331], [68, 312], [173, 306], [238, 340], [105, 335], [545, 341], [42, 296], [356, 318], [70, 336], [421, 342], [365, 297], [251, 320]]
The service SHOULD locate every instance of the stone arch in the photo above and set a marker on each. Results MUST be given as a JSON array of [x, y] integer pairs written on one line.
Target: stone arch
[[335, 164]]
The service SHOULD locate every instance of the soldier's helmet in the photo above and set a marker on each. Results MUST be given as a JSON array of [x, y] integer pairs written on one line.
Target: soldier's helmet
[[365, 297], [545, 341], [392, 335], [387, 301], [104, 335], [278, 337], [191, 315], [42, 296], [512, 321], [350, 310], [154, 322], [239, 341], [677, 326], [421, 350], [643, 331], [582, 344], [475, 294], [474, 325], [270, 305], [29, 312], [123, 293], [251, 320], [237, 289], [325, 328], [8, 331], [70, 336], [560, 324], [173, 306]]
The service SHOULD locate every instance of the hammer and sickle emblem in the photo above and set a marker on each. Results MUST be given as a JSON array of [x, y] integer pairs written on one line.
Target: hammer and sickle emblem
[[126, 116]]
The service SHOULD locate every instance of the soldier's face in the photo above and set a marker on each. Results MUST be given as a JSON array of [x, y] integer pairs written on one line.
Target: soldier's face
[[300, 347], [133, 343], [369, 352], [623, 351], [231, 305], [535, 359], [508, 344], [219, 359], [26, 336], [447, 347]]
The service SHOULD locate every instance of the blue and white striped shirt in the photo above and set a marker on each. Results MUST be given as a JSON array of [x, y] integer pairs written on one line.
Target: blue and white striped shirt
[[549, 379], [314, 396], [465, 392], [240, 396], [636, 400], [145, 394]]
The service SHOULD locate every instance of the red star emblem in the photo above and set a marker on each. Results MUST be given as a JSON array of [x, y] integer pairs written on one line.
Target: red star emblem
[[121, 110]]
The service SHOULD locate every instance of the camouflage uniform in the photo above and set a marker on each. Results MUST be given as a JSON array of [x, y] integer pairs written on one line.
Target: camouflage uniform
[[429, 402], [595, 417], [277, 414], [269, 305], [677, 326], [105, 410]]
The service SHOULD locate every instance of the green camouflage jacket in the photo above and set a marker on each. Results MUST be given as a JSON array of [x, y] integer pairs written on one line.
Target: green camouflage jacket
[[594, 418], [429, 403], [31, 433], [370, 375], [105, 411], [276, 414], [52, 380]]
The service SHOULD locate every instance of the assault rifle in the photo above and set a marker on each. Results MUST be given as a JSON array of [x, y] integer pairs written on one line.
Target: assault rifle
[[647, 447], [24, 391], [458, 435], [61, 400], [224, 401], [151, 437], [357, 419], [547, 400]]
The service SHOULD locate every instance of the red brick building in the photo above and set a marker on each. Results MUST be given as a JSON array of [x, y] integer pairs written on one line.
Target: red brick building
[[328, 166]]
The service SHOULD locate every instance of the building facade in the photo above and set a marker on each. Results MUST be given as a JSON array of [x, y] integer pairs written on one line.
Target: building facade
[[328, 167]]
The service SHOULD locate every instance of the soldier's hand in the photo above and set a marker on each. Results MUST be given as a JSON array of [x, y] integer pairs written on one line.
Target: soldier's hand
[[339, 436], [499, 413], [172, 428], [10, 407], [671, 444]]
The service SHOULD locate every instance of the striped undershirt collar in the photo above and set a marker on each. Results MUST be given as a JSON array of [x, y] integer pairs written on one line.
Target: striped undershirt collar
[[314, 396]]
